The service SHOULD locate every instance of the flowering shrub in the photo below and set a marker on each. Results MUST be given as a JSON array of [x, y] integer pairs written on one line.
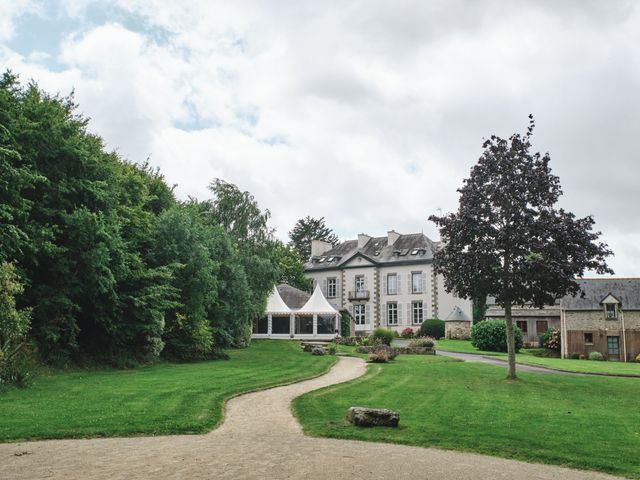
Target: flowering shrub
[[551, 339], [407, 333]]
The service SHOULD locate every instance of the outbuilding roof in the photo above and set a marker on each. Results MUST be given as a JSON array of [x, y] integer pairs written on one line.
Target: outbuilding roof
[[625, 290], [457, 315]]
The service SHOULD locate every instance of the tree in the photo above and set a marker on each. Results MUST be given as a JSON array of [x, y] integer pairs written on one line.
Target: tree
[[307, 229], [479, 307], [14, 323], [509, 240], [290, 267]]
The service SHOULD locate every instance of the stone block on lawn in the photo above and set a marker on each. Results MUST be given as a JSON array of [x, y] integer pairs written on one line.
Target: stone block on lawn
[[372, 417]]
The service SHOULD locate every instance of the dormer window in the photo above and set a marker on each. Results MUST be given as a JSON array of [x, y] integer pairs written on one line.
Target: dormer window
[[610, 311]]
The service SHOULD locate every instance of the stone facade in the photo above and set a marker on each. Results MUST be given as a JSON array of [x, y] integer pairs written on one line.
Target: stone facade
[[457, 330], [398, 288]]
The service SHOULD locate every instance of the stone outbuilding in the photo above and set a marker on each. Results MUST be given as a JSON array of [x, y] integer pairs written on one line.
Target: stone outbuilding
[[457, 325]]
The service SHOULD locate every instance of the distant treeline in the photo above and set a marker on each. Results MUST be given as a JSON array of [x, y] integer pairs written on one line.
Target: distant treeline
[[114, 268]]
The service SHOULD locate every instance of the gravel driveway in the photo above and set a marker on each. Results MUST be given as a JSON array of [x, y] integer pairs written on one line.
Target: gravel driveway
[[260, 439]]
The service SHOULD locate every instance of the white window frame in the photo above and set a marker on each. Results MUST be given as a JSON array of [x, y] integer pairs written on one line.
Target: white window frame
[[359, 314], [417, 306], [359, 281], [393, 291], [392, 313], [415, 284], [332, 287]]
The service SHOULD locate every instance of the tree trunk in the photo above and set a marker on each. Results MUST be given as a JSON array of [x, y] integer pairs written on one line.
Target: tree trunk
[[511, 344]]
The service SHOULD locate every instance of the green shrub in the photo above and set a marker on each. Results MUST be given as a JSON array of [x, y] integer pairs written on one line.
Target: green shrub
[[597, 356], [433, 328], [638, 358], [345, 324], [332, 349], [383, 335], [491, 335], [422, 343]]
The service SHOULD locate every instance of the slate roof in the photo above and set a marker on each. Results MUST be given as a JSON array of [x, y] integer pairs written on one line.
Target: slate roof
[[627, 290], [378, 251], [457, 315], [293, 297]]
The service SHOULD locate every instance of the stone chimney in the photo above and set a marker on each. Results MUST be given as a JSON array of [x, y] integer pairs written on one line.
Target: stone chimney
[[319, 247], [392, 236], [363, 238]]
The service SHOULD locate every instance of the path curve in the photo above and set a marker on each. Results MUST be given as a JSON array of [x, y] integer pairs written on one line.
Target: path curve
[[260, 439]]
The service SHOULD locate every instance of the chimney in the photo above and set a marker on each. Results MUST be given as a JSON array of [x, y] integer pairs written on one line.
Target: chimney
[[392, 236], [319, 247], [363, 238]]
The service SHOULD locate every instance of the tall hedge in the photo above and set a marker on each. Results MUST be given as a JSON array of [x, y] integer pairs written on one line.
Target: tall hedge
[[433, 328], [491, 335]]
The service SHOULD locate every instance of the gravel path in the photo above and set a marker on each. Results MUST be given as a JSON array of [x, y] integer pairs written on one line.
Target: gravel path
[[260, 439]]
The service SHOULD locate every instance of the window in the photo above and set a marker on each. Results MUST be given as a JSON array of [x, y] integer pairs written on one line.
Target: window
[[360, 283], [332, 288], [392, 313], [359, 314], [418, 315], [588, 338], [541, 326], [610, 310], [416, 282], [392, 284], [522, 325], [613, 345]]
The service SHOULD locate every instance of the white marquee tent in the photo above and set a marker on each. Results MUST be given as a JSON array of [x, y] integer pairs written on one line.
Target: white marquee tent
[[316, 319]]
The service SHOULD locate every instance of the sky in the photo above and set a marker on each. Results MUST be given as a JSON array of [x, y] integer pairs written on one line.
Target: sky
[[368, 113]]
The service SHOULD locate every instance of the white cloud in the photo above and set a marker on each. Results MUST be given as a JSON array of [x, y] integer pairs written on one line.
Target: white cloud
[[367, 113]]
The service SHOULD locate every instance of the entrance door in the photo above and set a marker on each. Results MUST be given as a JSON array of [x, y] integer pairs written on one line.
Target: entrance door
[[613, 347]]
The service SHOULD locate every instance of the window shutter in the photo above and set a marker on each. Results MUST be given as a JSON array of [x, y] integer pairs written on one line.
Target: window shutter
[[324, 287], [351, 310], [384, 314], [424, 282], [384, 284], [409, 317], [409, 286], [399, 307], [398, 282], [367, 313], [338, 290]]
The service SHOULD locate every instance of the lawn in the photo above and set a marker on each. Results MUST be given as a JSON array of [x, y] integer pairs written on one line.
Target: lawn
[[160, 399], [526, 357], [583, 422]]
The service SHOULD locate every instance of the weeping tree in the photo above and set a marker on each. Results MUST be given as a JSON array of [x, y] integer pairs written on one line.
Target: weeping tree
[[307, 229], [509, 240]]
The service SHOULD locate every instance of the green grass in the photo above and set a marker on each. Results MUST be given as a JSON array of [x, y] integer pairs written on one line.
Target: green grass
[[582, 422], [527, 358], [161, 399]]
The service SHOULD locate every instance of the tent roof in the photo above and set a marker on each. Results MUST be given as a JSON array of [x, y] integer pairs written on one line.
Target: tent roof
[[317, 304], [275, 304], [457, 315]]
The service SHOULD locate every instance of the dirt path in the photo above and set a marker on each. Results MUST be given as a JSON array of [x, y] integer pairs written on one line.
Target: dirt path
[[260, 439]]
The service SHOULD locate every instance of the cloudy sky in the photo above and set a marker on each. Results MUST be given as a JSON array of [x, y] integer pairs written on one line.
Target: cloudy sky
[[368, 113]]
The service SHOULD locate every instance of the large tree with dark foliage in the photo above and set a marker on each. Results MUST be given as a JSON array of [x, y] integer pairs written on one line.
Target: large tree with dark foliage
[[509, 240], [307, 229]]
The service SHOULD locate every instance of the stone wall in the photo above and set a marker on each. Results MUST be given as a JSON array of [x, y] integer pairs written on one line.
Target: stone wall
[[457, 330]]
